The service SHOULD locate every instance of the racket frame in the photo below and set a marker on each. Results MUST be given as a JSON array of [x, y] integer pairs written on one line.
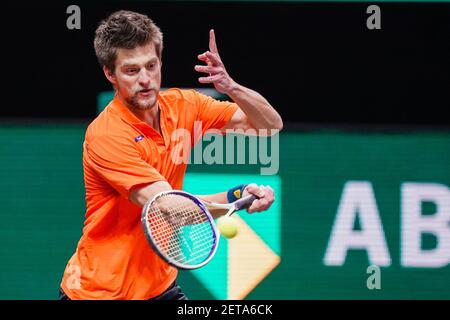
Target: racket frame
[[151, 241], [234, 206]]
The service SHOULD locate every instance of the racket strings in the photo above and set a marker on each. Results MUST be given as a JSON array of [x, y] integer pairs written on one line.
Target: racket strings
[[180, 249], [181, 229]]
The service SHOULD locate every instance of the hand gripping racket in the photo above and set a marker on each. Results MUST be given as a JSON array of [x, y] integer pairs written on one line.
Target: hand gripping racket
[[180, 228]]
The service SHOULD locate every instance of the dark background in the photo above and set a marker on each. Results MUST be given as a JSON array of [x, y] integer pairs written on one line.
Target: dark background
[[317, 63], [319, 66]]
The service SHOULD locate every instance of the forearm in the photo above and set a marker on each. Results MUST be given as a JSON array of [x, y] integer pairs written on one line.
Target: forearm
[[140, 196], [260, 114], [228, 196], [220, 197]]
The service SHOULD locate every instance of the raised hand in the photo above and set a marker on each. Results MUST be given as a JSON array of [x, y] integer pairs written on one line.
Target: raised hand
[[217, 74]]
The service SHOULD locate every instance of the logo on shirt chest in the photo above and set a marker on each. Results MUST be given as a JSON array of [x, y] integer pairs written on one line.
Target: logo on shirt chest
[[139, 138]]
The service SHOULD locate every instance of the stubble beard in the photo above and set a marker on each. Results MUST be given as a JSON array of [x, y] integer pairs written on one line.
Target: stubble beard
[[142, 103]]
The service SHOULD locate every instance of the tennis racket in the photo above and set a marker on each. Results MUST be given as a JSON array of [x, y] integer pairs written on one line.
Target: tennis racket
[[180, 228]]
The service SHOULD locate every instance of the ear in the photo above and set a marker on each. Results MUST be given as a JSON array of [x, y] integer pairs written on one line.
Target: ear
[[109, 75]]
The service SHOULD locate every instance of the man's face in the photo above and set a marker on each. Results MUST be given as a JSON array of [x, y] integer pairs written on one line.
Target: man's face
[[137, 76]]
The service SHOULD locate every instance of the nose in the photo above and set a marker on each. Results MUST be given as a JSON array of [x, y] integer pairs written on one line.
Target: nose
[[144, 78]]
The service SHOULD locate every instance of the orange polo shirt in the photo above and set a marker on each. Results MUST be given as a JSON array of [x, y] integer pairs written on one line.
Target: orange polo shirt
[[113, 259]]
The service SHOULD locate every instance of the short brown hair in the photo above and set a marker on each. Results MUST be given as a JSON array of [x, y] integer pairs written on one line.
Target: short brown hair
[[128, 30]]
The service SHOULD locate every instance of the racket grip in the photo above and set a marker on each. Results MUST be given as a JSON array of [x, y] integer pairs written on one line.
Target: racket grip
[[245, 202]]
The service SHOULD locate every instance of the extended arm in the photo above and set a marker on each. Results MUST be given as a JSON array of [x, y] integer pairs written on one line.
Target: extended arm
[[254, 112], [141, 195]]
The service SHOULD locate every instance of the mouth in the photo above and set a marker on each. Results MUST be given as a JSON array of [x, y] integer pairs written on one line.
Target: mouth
[[145, 92]]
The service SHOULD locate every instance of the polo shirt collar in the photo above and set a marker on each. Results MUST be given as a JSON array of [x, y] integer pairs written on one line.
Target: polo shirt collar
[[122, 110]]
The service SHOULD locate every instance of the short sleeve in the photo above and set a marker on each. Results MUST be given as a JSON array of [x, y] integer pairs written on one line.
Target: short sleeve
[[213, 114], [119, 163]]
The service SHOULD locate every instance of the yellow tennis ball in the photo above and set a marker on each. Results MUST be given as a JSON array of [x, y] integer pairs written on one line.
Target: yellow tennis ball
[[227, 227]]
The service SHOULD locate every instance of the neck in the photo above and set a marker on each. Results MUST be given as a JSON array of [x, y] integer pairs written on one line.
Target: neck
[[149, 115]]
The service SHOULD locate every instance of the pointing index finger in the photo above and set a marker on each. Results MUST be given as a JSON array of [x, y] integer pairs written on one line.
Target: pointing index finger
[[212, 42]]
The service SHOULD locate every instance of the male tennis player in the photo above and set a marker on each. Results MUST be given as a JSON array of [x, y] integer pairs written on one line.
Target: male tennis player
[[127, 159]]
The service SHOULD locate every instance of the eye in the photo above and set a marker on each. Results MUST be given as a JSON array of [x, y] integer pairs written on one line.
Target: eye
[[132, 70]]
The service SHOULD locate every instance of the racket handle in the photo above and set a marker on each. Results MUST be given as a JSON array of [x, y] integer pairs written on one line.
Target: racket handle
[[245, 202]]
